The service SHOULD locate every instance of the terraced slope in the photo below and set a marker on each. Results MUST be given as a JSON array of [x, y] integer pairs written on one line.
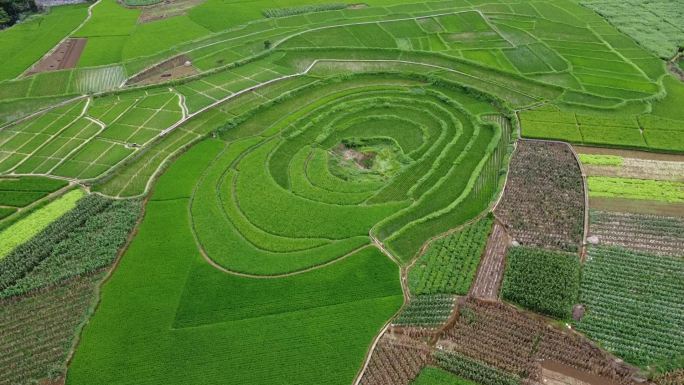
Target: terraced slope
[[276, 213]]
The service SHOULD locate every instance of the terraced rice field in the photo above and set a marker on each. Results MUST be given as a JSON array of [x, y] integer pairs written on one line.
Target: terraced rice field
[[343, 193]]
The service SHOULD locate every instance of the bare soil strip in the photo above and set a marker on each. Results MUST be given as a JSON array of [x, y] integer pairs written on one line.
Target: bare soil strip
[[555, 373], [165, 9], [65, 56], [637, 206], [174, 68], [490, 272]]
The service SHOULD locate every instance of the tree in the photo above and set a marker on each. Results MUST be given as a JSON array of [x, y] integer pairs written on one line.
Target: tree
[[5, 18]]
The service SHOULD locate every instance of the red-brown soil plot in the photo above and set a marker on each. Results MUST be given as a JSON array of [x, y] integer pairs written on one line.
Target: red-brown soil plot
[[517, 342], [174, 68], [396, 360], [65, 56]]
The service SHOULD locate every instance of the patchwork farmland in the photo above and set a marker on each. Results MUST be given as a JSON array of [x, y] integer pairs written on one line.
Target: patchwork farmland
[[482, 192]]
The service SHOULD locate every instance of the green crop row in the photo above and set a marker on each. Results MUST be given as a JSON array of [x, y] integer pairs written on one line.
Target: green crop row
[[645, 189], [601, 160], [474, 370], [426, 310], [432, 376], [541, 280], [28, 227], [450, 263], [634, 301], [84, 240]]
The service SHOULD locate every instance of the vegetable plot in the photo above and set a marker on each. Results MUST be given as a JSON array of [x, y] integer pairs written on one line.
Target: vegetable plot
[[541, 280]]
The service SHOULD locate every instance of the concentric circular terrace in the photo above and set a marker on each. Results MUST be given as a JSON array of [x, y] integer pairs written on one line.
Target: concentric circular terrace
[[306, 180]]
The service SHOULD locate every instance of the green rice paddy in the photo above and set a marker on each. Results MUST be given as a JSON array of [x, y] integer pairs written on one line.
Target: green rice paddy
[[308, 158]]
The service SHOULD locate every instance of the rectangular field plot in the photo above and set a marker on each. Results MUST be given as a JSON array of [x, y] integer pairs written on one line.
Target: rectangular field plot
[[203, 92], [525, 60], [622, 130], [634, 302], [96, 157], [22, 191], [59, 147], [143, 120], [101, 79], [21, 141]]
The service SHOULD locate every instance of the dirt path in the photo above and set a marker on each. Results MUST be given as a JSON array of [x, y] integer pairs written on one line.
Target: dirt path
[[490, 273]]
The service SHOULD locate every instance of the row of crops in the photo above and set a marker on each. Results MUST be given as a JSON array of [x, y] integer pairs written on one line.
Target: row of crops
[[652, 234], [19, 194], [450, 263], [48, 278], [426, 310], [634, 304], [37, 331], [544, 281], [81, 240], [423, 194]]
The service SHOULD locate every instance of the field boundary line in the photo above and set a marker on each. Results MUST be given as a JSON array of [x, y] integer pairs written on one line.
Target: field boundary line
[[42, 111], [80, 146], [403, 273], [295, 34]]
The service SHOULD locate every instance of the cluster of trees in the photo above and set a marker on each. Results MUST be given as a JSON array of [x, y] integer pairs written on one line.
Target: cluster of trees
[[13, 10]]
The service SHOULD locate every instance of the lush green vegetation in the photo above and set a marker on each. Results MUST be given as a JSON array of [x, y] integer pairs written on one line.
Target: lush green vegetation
[[164, 291], [474, 370], [425, 188], [16, 193], [637, 19], [28, 41], [31, 225], [84, 240], [636, 189], [450, 263], [436, 376], [426, 310], [601, 160], [541, 280], [376, 124], [634, 301]]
